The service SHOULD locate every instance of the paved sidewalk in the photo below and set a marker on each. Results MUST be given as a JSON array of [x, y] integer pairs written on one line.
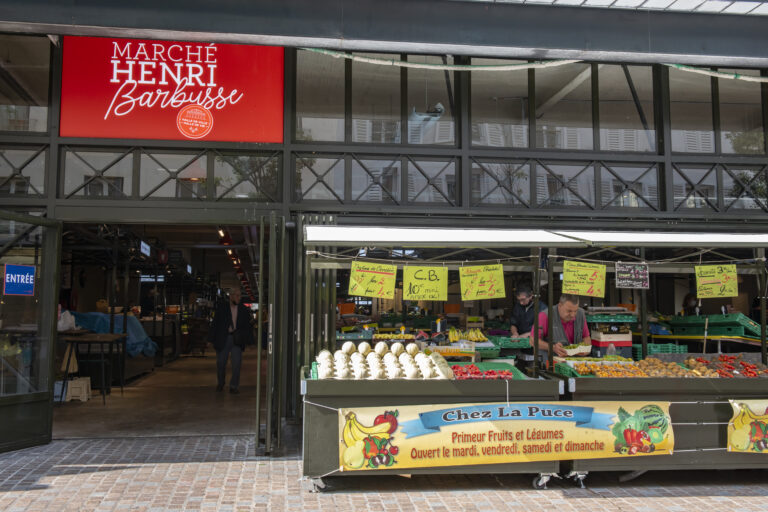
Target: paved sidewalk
[[217, 473]]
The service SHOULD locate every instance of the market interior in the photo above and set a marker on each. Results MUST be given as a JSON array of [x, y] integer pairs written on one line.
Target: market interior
[[162, 282]]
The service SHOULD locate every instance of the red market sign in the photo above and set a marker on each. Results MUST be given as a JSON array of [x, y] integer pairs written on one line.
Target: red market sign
[[143, 89]]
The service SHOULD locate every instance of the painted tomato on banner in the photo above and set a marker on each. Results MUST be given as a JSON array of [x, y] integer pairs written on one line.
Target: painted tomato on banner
[[171, 90]]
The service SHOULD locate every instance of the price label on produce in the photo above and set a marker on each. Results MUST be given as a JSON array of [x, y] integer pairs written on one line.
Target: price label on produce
[[582, 278], [372, 280], [425, 283], [716, 281], [482, 282]]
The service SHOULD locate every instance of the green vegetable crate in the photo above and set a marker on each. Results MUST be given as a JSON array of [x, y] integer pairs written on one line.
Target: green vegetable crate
[[658, 348], [507, 342]]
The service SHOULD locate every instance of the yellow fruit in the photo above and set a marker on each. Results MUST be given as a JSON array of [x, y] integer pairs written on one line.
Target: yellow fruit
[[353, 456], [739, 439], [349, 439]]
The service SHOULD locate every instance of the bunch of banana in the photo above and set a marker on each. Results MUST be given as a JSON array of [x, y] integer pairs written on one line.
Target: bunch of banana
[[354, 431], [475, 335], [454, 335], [745, 417]]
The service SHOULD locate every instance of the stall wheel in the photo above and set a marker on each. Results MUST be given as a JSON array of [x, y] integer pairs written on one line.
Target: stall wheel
[[578, 477], [540, 482]]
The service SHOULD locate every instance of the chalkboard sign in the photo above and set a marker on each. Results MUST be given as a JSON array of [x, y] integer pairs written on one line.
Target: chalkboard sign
[[632, 275]]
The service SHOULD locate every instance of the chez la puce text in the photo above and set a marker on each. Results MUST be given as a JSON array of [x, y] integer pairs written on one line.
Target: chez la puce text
[[504, 412]]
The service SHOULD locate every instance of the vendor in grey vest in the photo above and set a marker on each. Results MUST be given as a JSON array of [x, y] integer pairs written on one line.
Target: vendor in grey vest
[[569, 326]]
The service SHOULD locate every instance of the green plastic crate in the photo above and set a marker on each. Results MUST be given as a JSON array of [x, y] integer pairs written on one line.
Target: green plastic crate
[[507, 342], [566, 371], [488, 352], [736, 319], [355, 336], [603, 319]]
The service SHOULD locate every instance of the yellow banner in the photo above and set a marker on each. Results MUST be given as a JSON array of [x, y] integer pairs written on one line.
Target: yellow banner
[[425, 283], [420, 436], [372, 280], [748, 429], [482, 282], [716, 281], [581, 278]]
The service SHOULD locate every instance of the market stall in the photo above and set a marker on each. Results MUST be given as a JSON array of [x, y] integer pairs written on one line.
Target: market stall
[[469, 382], [697, 409], [699, 387]]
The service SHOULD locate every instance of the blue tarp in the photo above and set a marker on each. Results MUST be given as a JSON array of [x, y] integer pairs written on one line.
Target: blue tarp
[[137, 343]]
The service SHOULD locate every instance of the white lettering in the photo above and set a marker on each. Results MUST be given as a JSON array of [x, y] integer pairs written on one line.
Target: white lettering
[[196, 53], [125, 52], [194, 71], [116, 71], [159, 52], [172, 48], [141, 52], [145, 72], [210, 54], [211, 81]]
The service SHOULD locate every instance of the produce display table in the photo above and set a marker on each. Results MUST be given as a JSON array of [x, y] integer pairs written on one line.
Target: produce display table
[[699, 410], [323, 398]]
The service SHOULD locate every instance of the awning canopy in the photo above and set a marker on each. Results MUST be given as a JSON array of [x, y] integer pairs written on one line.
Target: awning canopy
[[366, 236], [653, 239]]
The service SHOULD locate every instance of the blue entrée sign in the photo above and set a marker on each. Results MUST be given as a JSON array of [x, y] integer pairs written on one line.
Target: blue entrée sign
[[19, 280]]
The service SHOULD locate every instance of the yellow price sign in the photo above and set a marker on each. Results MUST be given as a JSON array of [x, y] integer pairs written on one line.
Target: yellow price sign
[[716, 281], [425, 283], [482, 282], [581, 278], [372, 280]]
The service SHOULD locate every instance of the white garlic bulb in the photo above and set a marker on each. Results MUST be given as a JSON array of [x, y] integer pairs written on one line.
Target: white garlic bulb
[[340, 356], [394, 372], [348, 348], [429, 373], [389, 357], [397, 348], [411, 372], [412, 349], [356, 357], [325, 372], [360, 372], [345, 373], [381, 348], [378, 373], [364, 348]]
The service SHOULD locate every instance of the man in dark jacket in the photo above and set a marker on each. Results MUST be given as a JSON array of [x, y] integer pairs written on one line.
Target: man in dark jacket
[[230, 332], [521, 322]]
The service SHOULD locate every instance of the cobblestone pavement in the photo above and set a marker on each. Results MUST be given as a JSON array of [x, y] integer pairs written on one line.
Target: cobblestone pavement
[[220, 473]]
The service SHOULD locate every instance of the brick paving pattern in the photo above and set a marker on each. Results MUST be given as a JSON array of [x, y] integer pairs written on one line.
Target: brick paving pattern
[[219, 473]]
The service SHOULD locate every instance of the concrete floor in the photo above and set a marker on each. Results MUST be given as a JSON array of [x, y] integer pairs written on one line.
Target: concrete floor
[[178, 399]]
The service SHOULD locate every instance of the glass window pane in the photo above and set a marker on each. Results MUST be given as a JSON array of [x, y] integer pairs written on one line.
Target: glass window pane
[[626, 119], [376, 101], [690, 96], [320, 179], [565, 185], [499, 106], [695, 188], [432, 182], [24, 83], [376, 181], [23, 346], [22, 172], [564, 107], [98, 173], [629, 187], [431, 103], [253, 177], [501, 183], [745, 188], [319, 97], [173, 175], [741, 115]]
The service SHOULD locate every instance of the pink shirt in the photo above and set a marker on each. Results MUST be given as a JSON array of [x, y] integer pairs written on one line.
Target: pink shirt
[[567, 327]]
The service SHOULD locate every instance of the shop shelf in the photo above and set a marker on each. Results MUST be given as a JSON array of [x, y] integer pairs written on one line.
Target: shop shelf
[[612, 319], [497, 366]]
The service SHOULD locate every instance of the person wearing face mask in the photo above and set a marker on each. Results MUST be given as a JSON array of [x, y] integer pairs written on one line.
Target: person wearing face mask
[[569, 326], [230, 332], [521, 321]]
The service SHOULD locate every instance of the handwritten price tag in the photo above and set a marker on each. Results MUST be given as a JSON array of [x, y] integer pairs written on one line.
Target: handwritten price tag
[[716, 281], [425, 283], [482, 282], [372, 280], [581, 278]]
